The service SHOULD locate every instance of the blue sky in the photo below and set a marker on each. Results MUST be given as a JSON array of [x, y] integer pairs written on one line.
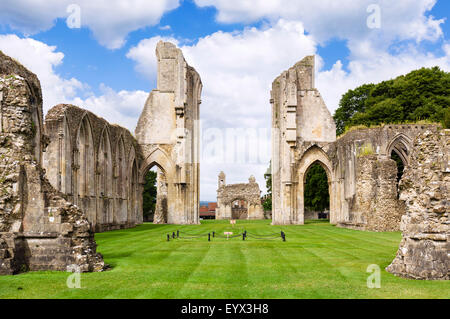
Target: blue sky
[[238, 47]]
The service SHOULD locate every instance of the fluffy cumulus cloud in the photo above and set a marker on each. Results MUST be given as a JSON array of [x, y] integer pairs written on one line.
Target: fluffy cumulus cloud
[[237, 70], [109, 20], [55, 89], [346, 19], [117, 107], [374, 67]]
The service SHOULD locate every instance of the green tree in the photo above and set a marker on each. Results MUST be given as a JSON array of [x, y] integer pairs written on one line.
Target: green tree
[[149, 194], [447, 118], [267, 204], [422, 94], [316, 194], [352, 102]]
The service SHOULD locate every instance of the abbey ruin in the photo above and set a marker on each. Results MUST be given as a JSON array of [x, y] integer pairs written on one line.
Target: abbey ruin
[[39, 228], [238, 201], [362, 177], [74, 174], [168, 134]]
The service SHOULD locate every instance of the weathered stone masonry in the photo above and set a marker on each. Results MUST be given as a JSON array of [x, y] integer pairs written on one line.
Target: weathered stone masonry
[[39, 229], [168, 133], [362, 176], [425, 188], [96, 165], [227, 194]]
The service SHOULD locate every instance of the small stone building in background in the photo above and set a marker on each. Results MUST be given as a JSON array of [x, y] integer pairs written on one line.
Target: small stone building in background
[[238, 201]]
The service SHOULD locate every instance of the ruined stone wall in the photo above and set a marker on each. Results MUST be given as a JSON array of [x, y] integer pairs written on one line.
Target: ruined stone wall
[[425, 188], [365, 175], [168, 133], [376, 206], [363, 189], [92, 162], [227, 194], [39, 229], [299, 116]]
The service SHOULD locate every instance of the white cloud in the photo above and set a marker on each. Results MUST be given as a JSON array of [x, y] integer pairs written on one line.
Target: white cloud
[[144, 55], [346, 19], [238, 68], [41, 59], [121, 107], [373, 66], [109, 20], [237, 71]]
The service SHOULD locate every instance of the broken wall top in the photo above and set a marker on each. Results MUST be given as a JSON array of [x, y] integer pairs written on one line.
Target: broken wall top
[[299, 110], [174, 72], [9, 66], [178, 94]]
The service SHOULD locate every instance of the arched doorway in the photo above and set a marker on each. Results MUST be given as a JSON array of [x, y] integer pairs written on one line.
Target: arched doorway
[[317, 193], [239, 209], [311, 158], [154, 196], [155, 174]]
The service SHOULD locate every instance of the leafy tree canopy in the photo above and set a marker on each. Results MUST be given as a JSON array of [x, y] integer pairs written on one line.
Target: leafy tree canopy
[[423, 94], [317, 197]]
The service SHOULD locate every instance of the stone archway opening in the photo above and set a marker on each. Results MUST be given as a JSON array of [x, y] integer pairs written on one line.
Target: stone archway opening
[[316, 193], [155, 195], [239, 209], [398, 151]]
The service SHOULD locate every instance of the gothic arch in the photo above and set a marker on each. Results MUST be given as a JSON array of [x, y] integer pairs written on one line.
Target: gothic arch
[[104, 174], [315, 155], [161, 159], [400, 144], [65, 159], [85, 159], [120, 177], [120, 168], [134, 192], [104, 165]]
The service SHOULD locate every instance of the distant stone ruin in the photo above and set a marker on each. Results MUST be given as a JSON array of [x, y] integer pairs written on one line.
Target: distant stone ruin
[[39, 228], [238, 201]]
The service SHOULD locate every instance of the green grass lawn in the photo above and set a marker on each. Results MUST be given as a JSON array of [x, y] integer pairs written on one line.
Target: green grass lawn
[[317, 261]]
